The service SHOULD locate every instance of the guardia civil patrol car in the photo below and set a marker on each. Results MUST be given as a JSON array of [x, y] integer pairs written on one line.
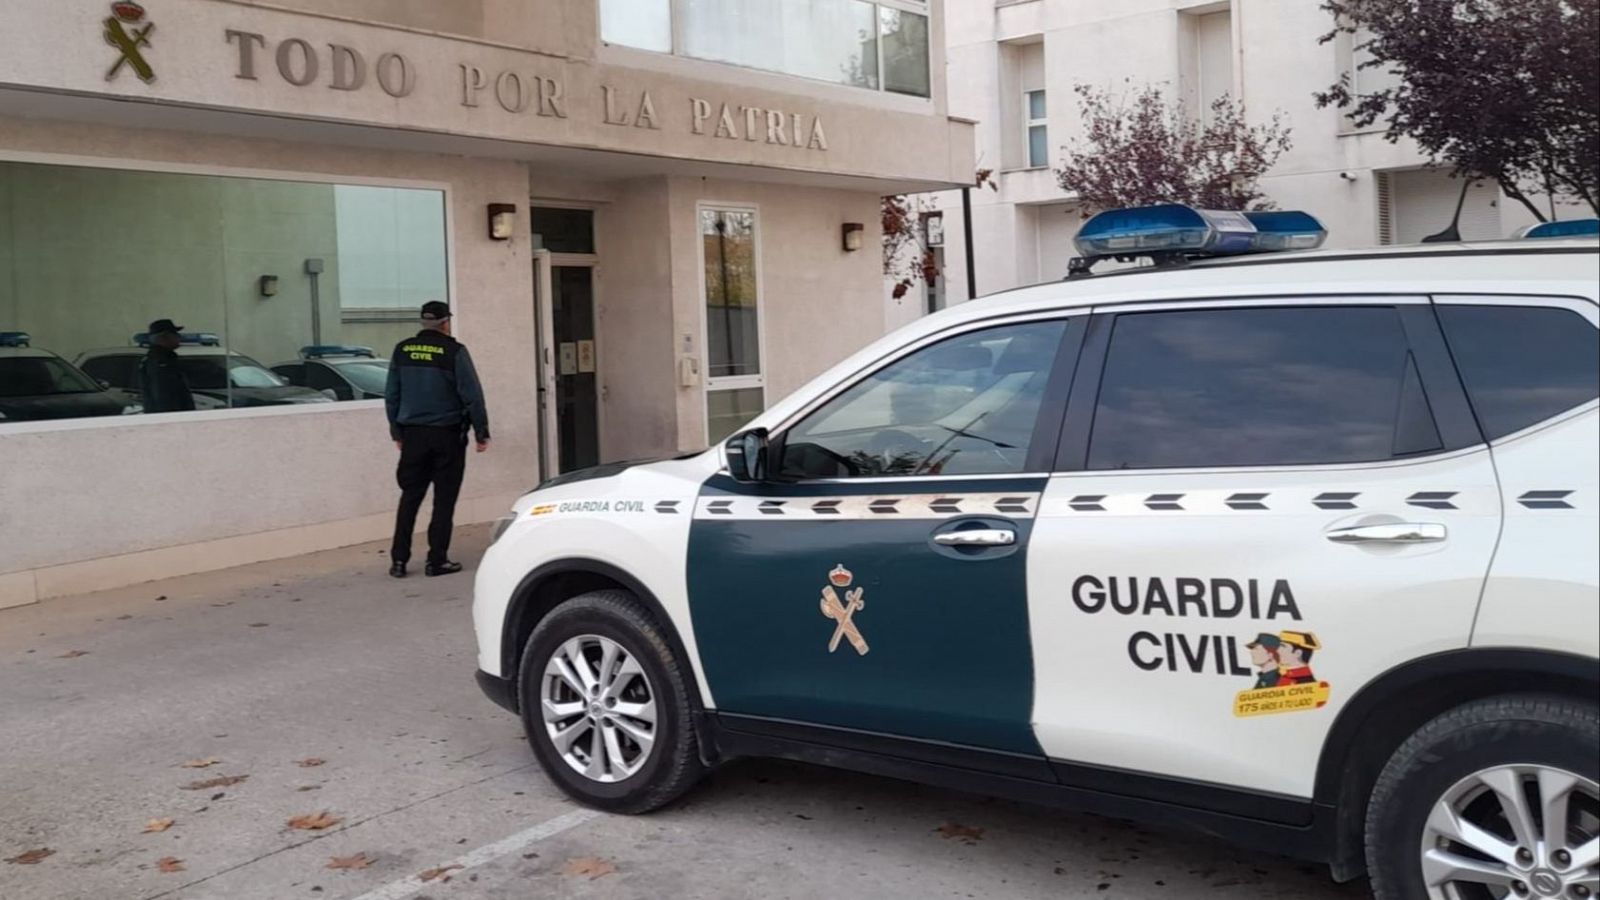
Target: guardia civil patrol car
[[1299, 549]]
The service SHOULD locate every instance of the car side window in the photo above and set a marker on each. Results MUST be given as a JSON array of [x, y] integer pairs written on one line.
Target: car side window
[[1259, 387], [964, 406], [1522, 364], [117, 371], [319, 378], [294, 373]]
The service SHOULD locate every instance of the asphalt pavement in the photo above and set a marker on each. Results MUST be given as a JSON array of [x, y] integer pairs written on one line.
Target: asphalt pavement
[[310, 729]]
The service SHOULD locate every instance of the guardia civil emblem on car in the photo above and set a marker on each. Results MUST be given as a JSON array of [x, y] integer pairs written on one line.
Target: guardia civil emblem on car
[[844, 613]]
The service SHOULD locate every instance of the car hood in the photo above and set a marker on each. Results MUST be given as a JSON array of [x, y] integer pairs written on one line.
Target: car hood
[[62, 406], [606, 470], [267, 396]]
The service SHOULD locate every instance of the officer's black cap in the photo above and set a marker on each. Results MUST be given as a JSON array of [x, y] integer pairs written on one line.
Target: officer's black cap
[[1269, 641], [435, 311]]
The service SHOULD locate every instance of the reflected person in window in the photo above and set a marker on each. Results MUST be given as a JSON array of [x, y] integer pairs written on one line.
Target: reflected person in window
[[161, 380], [433, 396]]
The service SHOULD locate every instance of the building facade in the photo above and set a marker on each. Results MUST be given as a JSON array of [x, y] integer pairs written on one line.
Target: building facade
[[1013, 65], [650, 218]]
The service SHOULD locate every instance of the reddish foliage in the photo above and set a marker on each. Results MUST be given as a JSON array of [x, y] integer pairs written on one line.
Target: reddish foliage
[[1504, 90]]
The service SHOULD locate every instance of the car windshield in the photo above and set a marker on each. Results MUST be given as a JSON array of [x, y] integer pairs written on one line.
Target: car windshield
[[204, 373], [371, 377], [34, 376]]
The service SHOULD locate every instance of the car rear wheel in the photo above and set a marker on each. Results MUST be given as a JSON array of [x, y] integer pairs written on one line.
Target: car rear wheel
[[606, 705], [1496, 799]]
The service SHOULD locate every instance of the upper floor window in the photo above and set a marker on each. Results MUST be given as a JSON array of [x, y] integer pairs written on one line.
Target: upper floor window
[[1038, 139], [880, 45]]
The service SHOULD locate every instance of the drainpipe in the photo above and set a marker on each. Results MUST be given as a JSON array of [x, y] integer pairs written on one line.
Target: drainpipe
[[966, 234], [314, 269]]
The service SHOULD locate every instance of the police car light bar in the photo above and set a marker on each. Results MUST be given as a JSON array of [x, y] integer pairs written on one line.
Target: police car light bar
[[14, 339], [324, 350], [198, 339], [1568, 228], [1172, 234]]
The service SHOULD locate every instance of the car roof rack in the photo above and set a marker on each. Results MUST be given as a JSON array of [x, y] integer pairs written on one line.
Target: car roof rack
[[1171, 235]]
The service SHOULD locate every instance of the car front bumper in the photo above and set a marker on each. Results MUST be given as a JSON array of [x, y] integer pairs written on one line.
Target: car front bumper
[[501, 690]]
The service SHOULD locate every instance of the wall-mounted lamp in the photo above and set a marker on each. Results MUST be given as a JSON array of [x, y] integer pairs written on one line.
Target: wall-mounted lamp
[[854, 234], [1346, 176], [502, 221], [268, 285]]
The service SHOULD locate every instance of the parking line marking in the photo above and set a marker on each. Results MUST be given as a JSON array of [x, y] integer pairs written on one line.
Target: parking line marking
[[405, 887]]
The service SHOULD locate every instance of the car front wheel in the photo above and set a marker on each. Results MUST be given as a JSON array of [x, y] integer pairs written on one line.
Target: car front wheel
[[606, 705], [1496, 799]]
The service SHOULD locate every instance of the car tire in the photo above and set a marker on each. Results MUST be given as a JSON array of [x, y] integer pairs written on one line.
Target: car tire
[[601, 763], [1454, 770]]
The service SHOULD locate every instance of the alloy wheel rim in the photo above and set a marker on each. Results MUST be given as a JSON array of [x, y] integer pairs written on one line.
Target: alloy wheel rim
[[599, 708], [1523, 832]]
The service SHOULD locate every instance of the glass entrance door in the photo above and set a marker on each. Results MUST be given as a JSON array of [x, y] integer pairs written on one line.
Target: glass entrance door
[[576, 363]]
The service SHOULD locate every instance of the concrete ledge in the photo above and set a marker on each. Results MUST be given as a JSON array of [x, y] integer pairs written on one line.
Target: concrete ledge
[[88, 576]]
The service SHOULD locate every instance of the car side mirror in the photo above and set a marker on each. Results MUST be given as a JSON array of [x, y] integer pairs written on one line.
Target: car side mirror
[[747, 454]]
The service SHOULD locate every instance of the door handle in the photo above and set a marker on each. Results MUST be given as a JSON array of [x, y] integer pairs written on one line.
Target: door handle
[[977, 537], [1390, 533]]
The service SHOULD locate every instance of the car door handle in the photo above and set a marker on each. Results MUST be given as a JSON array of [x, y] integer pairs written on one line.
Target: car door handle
[[977, 537], [1391, 533]]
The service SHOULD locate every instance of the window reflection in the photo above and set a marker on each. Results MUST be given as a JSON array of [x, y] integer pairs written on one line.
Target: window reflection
[[203, 289]]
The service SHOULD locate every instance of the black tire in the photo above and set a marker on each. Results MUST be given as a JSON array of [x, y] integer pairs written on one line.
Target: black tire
[[673, 765], [1511, 730]]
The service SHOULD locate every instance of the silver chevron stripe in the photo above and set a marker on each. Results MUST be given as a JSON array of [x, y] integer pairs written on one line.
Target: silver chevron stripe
[[879, 507]]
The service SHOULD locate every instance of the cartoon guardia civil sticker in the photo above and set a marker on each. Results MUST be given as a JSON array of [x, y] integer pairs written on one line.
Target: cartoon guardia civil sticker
[[843, 613], [1284, 680]]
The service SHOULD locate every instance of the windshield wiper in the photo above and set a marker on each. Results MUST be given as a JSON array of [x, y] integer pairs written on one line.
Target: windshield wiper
[[978, 437]]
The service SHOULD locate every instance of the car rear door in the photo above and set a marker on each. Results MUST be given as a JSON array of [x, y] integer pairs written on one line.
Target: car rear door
[[1259, 507], [880, 586]]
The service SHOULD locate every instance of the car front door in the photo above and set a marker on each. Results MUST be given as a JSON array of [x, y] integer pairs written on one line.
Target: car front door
[[878, 584], [1259, 508]]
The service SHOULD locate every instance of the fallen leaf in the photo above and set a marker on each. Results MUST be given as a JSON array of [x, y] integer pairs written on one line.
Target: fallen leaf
[[310, 762], [155, 825], [219, 781], [309, 787], [359, 861], [169, 864], [956, 830], [258, 624], [315, 821], [123, 617], [440, 873], [201, 763], [32, 857], [73, 654], [592, 866]]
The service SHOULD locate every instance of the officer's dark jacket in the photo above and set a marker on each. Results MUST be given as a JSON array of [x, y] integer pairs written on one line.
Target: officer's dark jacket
[[432, 382], [161, 383]]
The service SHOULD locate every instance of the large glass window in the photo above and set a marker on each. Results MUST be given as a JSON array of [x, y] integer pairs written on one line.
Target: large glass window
[[964, 406], [1522, 364], [874, 45], [1258, 387], [734, 384], [124, 292]]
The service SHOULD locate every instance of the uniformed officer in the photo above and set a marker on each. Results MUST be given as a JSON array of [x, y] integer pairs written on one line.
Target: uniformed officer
[[1264, 656], [1295, 657], [161, 382], [433, 396]]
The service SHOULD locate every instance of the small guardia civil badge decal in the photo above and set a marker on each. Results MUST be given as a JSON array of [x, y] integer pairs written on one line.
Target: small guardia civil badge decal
[[128, 32], [843, 613], [1284, 680]]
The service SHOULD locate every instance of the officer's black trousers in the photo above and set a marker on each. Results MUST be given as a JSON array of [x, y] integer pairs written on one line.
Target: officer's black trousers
[[428, 456]]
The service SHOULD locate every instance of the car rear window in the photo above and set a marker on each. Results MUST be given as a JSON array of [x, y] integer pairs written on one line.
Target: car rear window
[[1522, 364]]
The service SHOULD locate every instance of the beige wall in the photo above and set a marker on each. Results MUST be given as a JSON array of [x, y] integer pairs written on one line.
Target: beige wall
[[96, 489]]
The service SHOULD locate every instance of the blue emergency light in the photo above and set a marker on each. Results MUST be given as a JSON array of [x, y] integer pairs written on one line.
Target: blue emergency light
[[1172, 234], [1567, 228], [320, 351], [198, 339], [14, 339]]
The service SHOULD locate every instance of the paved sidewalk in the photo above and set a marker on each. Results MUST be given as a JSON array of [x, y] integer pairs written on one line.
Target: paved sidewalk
[[257, 672]]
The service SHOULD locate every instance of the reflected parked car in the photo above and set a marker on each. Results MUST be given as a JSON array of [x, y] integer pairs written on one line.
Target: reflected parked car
[[352, 373], [217, 377], [37, 384]]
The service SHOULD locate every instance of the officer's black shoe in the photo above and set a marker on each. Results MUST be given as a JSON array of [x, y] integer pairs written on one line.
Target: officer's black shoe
[[445, 568], [397, 570]]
